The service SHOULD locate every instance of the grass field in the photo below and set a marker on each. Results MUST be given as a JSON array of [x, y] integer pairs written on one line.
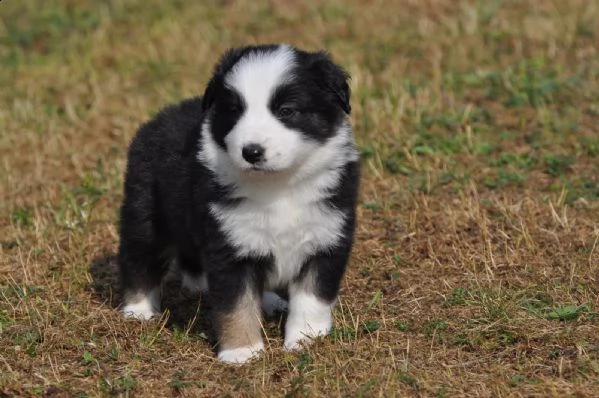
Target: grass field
[[476, 266]]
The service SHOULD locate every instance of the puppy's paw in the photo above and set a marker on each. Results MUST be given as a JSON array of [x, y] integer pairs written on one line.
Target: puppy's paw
[[240, 355], [195, 283], [143, 307], [273, 303], [308, 318], [297, 337]]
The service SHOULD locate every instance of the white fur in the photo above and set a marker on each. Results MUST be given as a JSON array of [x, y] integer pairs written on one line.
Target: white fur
[[272, 303], [255, 78], [288, 227], [256, 74], [145, 307], [283, 214], [241, 355], [195, 284], [308, 318], [290, 156], [319, 171]]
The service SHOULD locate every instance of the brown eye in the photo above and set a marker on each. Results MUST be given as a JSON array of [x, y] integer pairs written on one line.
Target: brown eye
[[231, 107], [286, 112], [234, 107]]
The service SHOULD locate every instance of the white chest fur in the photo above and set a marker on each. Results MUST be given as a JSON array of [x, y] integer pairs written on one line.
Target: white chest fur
[[287, 228]]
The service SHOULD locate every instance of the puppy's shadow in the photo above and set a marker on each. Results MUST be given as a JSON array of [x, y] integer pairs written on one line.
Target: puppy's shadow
[[105, 279], [185, 311]]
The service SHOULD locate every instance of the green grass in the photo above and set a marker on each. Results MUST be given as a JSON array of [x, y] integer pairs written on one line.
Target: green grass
[[474, 271]]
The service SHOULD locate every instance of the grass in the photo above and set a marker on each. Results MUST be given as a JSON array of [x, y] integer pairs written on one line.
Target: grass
[[476, 261]]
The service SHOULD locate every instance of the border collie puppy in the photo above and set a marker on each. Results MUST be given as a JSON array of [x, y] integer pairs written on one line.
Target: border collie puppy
[[251, 189]]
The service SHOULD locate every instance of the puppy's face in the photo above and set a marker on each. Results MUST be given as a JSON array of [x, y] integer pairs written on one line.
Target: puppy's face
[[269, 107]]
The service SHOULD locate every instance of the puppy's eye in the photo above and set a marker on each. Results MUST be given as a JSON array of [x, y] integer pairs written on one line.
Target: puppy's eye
[[286, 111], [233, 107], [230, 107]]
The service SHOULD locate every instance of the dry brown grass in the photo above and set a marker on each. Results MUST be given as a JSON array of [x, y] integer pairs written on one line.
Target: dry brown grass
[[475, 271]]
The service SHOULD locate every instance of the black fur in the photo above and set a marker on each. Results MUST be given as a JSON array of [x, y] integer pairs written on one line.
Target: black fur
[[167, 189]]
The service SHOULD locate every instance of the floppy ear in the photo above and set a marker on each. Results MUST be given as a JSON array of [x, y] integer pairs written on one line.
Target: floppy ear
[[209, 94], [226, 62], [333, 79]]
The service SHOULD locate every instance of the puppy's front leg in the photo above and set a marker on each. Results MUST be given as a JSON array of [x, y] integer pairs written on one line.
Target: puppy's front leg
[[309, 317], [312, 297], [237, 317]]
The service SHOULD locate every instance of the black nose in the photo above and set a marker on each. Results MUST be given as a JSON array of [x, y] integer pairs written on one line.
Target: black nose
[[253, 153]]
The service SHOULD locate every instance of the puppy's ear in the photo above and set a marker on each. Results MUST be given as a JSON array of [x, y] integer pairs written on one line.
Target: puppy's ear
[[226, 62], [209, 94], [332, 79]]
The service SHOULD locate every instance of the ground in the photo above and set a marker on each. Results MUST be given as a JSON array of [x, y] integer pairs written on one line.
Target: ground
[[475, 268]]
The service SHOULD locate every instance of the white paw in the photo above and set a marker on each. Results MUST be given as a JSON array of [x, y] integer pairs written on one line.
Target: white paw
[[240, 355], [272, 303], [144, 308], [138, 311], [195, 283], [297, 336], [308, 318]]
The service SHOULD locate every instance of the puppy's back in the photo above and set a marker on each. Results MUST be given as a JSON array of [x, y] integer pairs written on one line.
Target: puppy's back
[[174, 129]]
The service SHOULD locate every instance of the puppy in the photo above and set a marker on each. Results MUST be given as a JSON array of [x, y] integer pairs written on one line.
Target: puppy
[[251, 189]]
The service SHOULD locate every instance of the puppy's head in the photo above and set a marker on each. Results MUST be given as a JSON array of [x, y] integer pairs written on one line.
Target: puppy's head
[[269, 108]]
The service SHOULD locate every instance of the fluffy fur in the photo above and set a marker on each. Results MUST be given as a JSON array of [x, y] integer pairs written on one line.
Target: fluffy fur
[[252, 189]]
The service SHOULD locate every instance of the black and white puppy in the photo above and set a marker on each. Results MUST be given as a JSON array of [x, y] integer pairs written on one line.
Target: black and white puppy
[[252, 189]]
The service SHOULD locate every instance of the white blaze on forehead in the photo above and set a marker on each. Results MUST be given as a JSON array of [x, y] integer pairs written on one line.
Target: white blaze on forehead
[[257, 74]]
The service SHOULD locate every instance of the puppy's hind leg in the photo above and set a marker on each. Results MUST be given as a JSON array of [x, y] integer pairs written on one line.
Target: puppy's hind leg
[[141, 257], [141, 276], [273, 303], [193, 277]]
